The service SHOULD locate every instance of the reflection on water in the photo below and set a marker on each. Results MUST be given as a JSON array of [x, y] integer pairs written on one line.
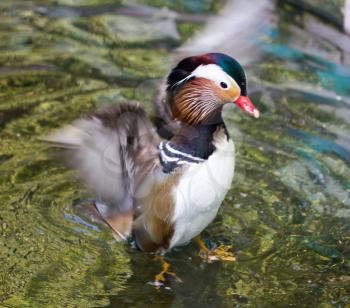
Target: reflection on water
[[287, 215]]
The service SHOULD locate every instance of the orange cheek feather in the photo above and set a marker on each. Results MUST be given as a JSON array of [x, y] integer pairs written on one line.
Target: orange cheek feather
[[228, 96]]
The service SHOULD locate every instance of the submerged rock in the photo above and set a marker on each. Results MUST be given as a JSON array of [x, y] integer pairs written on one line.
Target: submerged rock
[[118, 29], [328, 10]]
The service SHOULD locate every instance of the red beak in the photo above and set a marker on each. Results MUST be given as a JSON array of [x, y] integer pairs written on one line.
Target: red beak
[[246, 104]]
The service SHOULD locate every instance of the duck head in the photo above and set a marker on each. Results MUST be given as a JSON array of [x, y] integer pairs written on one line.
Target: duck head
[[198, 87]]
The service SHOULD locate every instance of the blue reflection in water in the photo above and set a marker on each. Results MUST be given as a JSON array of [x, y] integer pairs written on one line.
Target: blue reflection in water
[[80, 221], [319, 144]]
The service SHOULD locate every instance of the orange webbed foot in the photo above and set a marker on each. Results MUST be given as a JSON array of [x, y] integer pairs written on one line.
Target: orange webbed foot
[[220, 253], [161, 278]]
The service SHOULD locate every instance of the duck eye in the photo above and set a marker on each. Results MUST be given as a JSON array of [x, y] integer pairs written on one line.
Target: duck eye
[[223, 85]]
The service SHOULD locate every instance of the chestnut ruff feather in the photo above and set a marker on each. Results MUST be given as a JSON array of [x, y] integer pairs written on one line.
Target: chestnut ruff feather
[[196, 102]]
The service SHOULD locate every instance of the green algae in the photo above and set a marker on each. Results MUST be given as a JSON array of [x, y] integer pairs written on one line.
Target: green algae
[[280, 73], [187, 30]]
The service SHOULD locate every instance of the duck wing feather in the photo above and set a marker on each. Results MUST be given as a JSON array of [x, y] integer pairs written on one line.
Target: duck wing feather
[[113, 149]]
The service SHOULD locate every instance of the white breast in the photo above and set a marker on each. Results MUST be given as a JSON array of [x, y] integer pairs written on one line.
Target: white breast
[[201, 190]]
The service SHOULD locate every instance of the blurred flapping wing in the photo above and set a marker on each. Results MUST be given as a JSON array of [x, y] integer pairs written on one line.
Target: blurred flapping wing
[[113, 149]]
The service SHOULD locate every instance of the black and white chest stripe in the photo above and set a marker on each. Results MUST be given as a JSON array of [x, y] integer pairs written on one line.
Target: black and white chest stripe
[[171, 157]]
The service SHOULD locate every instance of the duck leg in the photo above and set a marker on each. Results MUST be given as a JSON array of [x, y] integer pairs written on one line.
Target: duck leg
[[221, 252], [160, 278]]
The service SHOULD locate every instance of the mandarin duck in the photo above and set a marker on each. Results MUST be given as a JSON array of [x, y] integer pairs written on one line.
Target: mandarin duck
[[163, 192]]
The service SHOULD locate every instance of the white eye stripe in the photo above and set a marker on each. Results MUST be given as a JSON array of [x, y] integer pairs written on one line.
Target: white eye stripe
[[211, 72]]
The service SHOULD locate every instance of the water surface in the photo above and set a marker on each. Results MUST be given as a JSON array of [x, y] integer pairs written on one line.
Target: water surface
[[286, 216]]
